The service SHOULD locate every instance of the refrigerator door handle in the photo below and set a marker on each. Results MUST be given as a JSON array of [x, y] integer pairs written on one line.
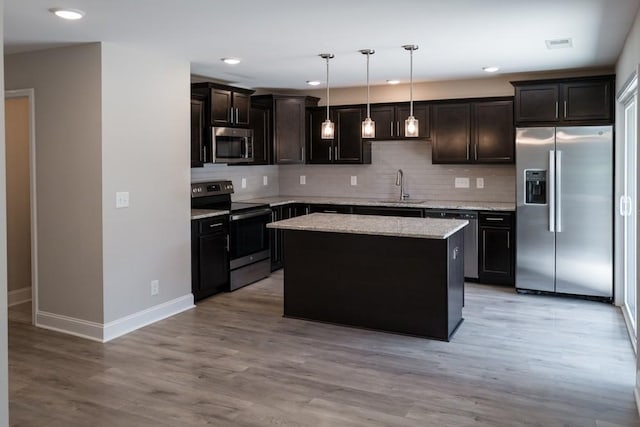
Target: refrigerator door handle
[[559, 191], [552, 191]]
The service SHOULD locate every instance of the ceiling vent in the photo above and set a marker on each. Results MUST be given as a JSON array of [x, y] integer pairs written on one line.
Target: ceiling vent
[[559, 43]]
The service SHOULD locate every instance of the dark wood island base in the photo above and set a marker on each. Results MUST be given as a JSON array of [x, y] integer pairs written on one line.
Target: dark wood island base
[[405, 285]]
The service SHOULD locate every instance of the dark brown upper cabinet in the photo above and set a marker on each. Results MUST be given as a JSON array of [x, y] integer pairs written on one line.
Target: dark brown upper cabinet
[[389, 120], [226, 106], [197, 130], [473, 131], [283, 134], [575, 101], [347, 147]]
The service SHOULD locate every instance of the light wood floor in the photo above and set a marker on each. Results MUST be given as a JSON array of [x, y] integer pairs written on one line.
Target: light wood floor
[[517, 360]]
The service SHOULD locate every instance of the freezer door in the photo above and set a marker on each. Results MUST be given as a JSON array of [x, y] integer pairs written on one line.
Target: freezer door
[[584, 210], [535, 249]]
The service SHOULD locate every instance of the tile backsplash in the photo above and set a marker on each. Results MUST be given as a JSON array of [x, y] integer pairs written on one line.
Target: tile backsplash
[[423, 180]]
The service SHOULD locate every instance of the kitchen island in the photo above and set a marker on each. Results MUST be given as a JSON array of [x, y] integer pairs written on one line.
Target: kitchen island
[[402, 275]]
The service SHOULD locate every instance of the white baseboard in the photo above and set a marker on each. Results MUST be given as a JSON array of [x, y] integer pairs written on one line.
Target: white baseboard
[[103, 333], [146, 317], [636, 394], [18, 296]]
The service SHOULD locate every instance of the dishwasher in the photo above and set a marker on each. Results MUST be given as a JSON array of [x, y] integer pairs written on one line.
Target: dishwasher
[[470, 237]]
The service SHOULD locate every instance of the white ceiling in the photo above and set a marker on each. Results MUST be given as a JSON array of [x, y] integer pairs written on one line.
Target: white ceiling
[[279, 40]]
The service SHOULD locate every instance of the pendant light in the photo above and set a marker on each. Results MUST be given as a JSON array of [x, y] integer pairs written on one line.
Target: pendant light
[[327, 130], [411, 124], [368, 125]]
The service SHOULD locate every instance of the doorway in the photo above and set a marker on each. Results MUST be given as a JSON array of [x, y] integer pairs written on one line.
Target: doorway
[[628, 204], [20, 190]]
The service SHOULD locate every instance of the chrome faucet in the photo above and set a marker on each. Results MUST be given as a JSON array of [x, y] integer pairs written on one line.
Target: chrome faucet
[[400, 182]]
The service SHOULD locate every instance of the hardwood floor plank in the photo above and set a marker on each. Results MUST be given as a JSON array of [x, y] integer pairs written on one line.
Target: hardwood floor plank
[[517, 360]]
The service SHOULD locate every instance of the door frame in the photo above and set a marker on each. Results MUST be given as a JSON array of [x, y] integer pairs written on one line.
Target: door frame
[[30, 95]]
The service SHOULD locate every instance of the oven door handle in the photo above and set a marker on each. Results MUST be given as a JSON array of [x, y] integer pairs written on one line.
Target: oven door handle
[[252, 214]]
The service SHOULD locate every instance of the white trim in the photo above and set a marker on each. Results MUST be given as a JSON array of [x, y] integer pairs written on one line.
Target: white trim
[[18, 296], [630, 329], [69, 325], [30, 94], [636, 394], [146, 317], [103, 333], [629, 89]]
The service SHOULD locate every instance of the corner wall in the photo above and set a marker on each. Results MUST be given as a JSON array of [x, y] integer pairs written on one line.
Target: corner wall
[[145, 151]]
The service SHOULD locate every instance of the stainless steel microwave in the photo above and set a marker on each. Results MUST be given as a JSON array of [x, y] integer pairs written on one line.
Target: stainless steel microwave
[[231, 145]]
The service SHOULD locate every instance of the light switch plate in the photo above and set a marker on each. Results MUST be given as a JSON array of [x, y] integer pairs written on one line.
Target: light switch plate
[[479, 182], [265, 180], [303, 179], [354, 180], [243, 183], [122, 199], [462, 182]]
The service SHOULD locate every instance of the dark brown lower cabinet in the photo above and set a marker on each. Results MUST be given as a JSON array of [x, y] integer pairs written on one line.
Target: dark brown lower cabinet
[[496, 248], [279, 213], [209, 257]]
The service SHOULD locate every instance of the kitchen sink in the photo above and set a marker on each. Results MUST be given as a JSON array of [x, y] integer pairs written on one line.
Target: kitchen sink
[[406, 201]]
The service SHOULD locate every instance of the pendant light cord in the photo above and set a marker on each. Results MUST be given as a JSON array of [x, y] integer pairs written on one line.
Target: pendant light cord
[[328, 87], [411, 86], [368, 105]]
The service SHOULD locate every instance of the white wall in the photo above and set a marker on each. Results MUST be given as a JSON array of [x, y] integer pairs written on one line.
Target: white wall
[[253, 176], [66, 84], [145, 151], [4, 363]]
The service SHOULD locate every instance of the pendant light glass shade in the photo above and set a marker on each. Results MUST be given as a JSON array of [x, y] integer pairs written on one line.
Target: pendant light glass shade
[[328, 129], [368, 125], [411, 125]]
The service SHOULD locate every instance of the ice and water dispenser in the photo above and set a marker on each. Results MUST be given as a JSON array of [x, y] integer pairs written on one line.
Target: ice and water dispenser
[[535, 187]]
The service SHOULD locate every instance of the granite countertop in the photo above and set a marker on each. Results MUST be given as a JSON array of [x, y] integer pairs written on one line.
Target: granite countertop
[[424, 228], [207, 213], [422, 204]]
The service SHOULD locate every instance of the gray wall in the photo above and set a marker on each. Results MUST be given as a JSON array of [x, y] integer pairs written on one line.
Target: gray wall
[[253, 175], [66, 84], [4, 362], [145, 151]]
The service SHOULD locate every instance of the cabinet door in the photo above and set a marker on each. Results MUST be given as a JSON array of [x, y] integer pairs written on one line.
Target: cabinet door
[[587, 101], [319, 151], [197, 130], [214, 265], [348, 147], [451, 133], [384, 117], [221, 103], [420, 112], [275, 239], [494, 138], [495, 258], [261, 126], [537, 103], [289, 131], [241, 109]]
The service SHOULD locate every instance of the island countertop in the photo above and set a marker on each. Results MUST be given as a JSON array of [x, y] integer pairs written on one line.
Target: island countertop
[[423, 228]]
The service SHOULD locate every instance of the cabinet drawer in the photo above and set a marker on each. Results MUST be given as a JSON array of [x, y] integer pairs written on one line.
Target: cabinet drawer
[[212, 225], [495, 219]]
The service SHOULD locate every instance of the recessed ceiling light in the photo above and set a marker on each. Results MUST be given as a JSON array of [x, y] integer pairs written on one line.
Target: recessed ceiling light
[[559, 43], [393, 82], [491, 69], [313, 82], [71, 14], [230, 61]]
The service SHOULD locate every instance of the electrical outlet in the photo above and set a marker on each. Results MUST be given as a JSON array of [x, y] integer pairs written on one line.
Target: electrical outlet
[[462, 182], [155, 287], [303, 179], [479, 182], [265, 180], [354, 180], [122, 199], [243, 183]]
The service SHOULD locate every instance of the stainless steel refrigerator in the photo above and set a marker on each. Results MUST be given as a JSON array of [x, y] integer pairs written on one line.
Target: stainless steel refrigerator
[[564, 210]]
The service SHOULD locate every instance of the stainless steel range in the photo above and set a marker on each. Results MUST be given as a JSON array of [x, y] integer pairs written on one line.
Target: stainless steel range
[[249, 252]]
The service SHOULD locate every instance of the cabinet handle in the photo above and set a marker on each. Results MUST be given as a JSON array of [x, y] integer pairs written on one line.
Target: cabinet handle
[[329, 153], [397, 128], [237, 114], [475, 151], [391, 126], [467, 151], [227, 243], [508, 239], [204, 148], [335, 154], [556, 109], [329, 211], [216, 225], [231, 119], [565, 109], [494, 219]]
